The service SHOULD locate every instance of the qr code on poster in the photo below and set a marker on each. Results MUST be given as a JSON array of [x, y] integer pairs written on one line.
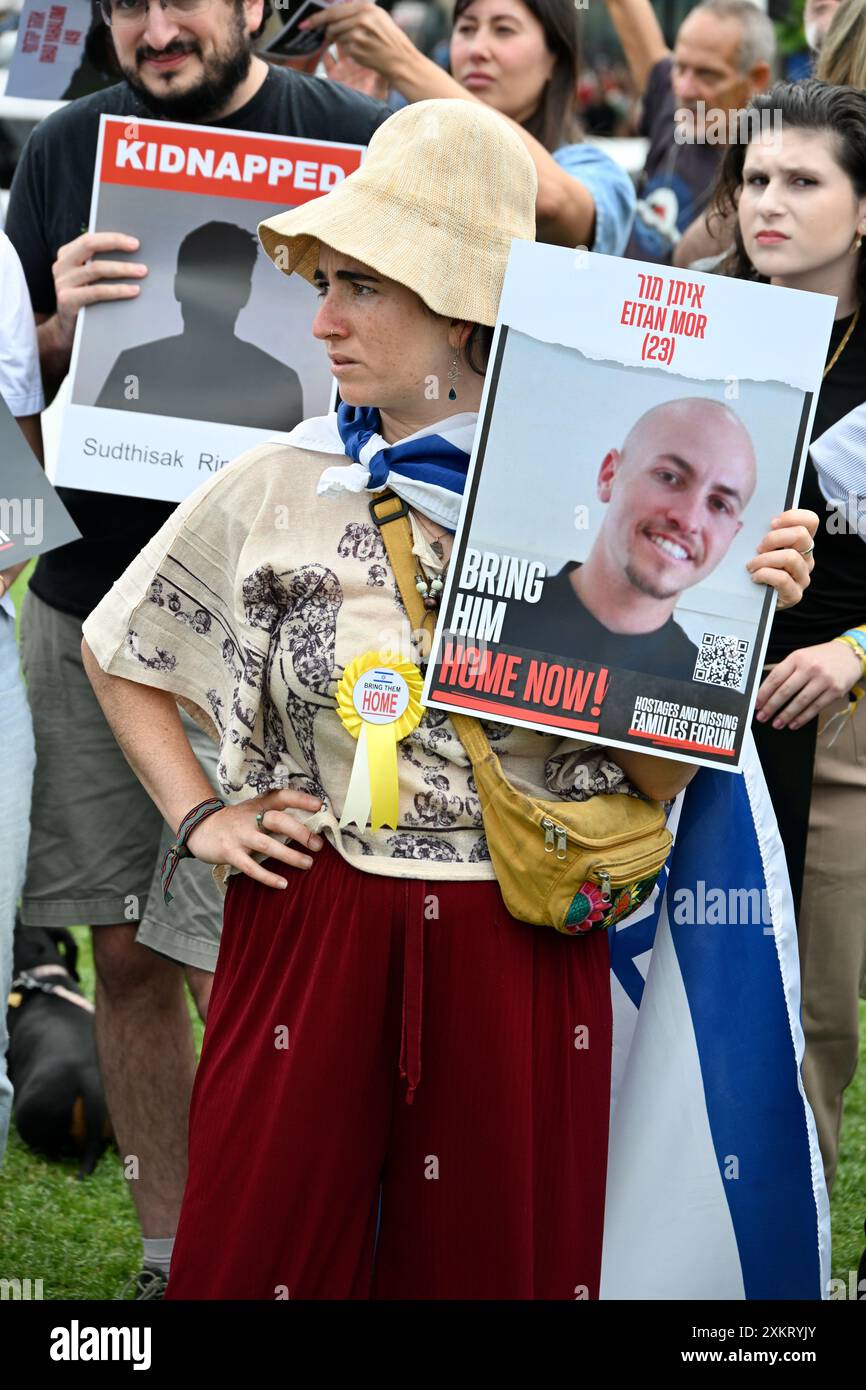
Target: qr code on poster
[[721, 660]]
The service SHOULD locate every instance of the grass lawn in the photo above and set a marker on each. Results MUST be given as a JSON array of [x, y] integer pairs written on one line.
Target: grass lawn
[[81, 1238]]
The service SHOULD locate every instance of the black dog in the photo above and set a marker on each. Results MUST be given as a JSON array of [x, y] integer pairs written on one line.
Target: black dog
[[59, 1101]]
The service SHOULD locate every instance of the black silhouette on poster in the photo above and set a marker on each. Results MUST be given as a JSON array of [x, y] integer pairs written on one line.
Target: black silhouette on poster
[[207, 372]]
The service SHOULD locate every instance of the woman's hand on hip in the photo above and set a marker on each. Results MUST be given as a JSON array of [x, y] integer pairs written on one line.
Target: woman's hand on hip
[[805, 683], [231, 836], [780, 559]]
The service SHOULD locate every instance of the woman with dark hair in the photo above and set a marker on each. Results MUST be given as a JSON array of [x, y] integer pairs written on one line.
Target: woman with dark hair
[[519, 57], [552, 120], [798, 185]]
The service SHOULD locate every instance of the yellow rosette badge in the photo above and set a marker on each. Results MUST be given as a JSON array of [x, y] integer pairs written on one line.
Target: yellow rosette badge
[[379, 702]]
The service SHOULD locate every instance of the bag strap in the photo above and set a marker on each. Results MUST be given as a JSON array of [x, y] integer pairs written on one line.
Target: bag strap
[[391, 515]]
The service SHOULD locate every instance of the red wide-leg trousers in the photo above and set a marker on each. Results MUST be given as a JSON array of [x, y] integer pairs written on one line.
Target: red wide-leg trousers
[[336, 1002]]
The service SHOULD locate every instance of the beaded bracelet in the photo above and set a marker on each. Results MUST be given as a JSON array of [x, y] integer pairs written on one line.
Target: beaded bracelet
[[178, 850]]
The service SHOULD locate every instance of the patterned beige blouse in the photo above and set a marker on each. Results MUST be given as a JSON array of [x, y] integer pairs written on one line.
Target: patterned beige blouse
[[249, 603]]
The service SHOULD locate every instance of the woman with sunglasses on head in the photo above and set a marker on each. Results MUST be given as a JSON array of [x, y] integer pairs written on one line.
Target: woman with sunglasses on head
[[352, 956], [799, 189], [519, 57]]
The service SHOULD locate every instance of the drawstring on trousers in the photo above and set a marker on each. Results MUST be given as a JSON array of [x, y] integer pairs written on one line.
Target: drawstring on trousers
[[413, 984]]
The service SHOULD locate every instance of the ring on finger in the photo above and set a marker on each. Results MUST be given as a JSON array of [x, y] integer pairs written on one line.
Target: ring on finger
[[807, 553], [260, 818]]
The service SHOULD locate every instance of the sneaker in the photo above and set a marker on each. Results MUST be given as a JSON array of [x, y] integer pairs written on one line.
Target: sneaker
[[146, 1284]]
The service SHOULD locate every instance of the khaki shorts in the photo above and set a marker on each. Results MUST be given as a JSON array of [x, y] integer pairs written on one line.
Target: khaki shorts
[[96, 839]]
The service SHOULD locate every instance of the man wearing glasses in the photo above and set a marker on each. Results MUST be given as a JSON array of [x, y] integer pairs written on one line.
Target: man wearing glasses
[[95, 846]]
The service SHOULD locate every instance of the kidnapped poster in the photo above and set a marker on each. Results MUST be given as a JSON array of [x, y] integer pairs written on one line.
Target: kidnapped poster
[[215, 354], [640, 429]]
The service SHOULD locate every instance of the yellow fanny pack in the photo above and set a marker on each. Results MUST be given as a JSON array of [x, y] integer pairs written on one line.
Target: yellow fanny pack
[[576, 866]]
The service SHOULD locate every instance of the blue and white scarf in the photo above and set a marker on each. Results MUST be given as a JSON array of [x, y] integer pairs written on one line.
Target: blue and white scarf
[[427, 469]]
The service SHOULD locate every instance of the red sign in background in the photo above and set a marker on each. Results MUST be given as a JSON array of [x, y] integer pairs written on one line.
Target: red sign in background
[[49, 35]]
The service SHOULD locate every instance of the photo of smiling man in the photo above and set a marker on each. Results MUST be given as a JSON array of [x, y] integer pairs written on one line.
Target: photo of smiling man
[[673, 496], [628, 483]]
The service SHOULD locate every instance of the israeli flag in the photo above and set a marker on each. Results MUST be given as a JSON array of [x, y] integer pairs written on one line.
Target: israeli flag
[[715, 1186]]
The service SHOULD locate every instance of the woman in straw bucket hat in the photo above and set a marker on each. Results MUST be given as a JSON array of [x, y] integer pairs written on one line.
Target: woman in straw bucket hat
[[325, 1161]]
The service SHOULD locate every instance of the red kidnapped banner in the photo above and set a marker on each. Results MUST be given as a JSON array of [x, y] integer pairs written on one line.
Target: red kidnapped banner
[[223, 163]]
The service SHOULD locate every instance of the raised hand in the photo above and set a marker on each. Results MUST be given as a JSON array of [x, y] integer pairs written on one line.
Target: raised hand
[[344, 69]]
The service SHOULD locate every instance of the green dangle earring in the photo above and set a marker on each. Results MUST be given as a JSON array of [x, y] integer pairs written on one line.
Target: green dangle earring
[[453, 374]]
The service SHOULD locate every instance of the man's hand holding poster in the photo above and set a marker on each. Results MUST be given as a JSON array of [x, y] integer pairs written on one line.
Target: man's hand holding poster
[[640, 429], [170, 385]]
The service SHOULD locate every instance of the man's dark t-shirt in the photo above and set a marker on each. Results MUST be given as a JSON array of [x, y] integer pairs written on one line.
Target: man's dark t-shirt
[[49, 205], [677, 179], [194, 385], [559, 625]]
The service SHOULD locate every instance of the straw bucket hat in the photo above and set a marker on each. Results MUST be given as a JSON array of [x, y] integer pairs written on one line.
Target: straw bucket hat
[[444, 188]]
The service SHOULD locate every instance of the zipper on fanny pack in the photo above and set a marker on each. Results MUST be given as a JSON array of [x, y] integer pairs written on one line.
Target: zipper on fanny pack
[[640, 865], [554, 837], [611, 842]]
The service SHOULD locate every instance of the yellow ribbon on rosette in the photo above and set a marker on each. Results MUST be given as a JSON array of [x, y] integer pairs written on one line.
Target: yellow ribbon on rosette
[[379, 702]]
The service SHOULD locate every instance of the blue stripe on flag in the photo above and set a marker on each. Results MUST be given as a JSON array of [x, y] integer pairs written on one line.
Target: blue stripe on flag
[[632, 939], [734, 987]]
